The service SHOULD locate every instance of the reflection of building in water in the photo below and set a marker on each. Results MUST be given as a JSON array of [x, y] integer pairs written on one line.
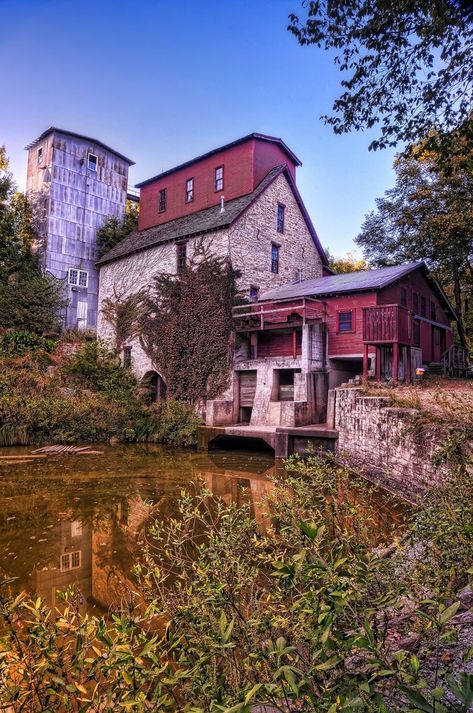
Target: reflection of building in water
[[70, 562]]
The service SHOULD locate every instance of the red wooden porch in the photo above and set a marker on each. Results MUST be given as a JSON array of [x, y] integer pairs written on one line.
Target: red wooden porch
[[259, 316], [383, 326]]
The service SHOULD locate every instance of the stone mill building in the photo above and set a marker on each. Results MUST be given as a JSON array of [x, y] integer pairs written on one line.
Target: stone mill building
[[74, 183]]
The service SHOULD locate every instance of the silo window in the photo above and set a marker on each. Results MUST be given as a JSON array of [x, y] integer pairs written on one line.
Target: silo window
[[91, 162]]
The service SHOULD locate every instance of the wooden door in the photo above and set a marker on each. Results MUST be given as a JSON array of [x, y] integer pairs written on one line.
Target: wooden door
[[247, 388]]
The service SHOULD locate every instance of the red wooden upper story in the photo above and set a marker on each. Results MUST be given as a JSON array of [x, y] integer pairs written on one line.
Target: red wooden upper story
[[230, 171], [402, 305]]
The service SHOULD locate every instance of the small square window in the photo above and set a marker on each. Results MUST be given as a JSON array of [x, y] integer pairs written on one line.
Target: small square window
[[181, 256], [70, 560], [280, 221], [78, 277], [433, 312], [403, 297], [76, 528], [92, 162], [275, 259], [219, 178], [189, 190], [162, 200], [345, 321], [254, 293], [40, 156]]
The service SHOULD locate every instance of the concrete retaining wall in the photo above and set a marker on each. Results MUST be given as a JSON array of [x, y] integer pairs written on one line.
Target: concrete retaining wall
[[382, 440]]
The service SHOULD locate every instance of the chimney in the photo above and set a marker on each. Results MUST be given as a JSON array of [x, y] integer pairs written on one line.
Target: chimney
[[222, 204]]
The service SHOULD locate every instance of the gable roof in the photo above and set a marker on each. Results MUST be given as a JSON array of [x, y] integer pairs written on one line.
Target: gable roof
[[205, 221], [260, 137], [54, 129], [364, 280]]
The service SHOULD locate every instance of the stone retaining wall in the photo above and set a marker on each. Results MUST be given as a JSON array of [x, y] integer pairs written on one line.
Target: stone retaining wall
[[381, 439]]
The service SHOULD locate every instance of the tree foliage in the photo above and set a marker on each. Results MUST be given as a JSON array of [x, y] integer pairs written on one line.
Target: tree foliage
[[407, 66], [428, 215], [115, 229], [29, 300], [187, 325], [347, 263]]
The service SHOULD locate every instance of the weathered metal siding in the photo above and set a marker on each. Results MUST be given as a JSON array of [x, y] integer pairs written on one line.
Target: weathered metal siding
[[72, 202]]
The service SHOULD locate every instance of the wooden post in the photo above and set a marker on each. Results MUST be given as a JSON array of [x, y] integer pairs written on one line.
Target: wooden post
[[395, 361], [294, 343], [365, 363], [378, 363], [408, 366]]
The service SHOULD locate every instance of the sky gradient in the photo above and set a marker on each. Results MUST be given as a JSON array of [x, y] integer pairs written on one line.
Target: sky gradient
[[162, 81]]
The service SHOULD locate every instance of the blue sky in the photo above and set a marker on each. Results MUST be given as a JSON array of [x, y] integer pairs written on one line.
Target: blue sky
[[162, 81]]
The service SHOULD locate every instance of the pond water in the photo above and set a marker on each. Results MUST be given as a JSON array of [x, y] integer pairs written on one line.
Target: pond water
[[81, 520]]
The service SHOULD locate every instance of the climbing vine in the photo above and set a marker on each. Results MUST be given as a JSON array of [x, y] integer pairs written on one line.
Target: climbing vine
[[186, 327], [124, 316]]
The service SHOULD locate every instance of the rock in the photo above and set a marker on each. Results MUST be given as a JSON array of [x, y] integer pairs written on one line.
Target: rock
[[114, 441]]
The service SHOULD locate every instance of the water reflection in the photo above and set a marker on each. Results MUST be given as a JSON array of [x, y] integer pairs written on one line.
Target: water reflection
[[81, 520]]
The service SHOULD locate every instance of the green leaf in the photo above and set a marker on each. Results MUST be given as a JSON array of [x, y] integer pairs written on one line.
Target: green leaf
[[449, 612]]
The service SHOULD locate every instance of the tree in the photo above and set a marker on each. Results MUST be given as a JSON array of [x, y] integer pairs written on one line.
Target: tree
[[347, 263], [29, 300], [428, 215], [115, 229], [408, 65], [187, 327]]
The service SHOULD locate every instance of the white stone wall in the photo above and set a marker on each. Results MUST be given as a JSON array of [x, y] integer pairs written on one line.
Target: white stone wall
[[251, 238], [247, 242]]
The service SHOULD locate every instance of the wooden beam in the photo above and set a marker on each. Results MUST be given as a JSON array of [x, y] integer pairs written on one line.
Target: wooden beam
[[378, 364], [365, 363], [395, 361]]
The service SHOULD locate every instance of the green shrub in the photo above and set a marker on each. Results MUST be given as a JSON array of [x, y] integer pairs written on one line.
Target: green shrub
[[18, 343], [96, 368], [174, 423]]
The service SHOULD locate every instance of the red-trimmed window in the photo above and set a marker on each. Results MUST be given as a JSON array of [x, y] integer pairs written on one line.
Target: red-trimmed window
[[415, 303], [345, 321], [403, 297], [416, 333], [189, 190]]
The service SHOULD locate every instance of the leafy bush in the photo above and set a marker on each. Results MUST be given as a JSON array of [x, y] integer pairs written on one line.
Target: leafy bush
[[96, 368], [18, 343], [301, 614], [175, 424]]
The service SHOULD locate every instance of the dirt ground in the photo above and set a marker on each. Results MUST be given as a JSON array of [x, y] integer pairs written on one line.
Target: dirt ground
[[439, 397]]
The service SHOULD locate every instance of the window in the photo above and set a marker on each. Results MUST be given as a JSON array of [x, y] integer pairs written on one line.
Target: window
[[181, 256], [219, 178], [76, 528], [40, 156], [127, 357], [189, 190], [415, 303], [403, 297], [79, 278], [162, 200], [416, 333], [91, 162], [433, 311], [280, 222], [345, 321], [254, 293], [274, 258], [422, 306], [71, 560]]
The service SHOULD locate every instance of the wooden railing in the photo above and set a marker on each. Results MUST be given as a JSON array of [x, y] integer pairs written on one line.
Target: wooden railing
[[387, 324], [265, 315], [456, 362]]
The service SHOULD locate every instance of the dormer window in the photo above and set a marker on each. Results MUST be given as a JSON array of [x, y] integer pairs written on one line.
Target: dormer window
[[92, 162], [219, 178], [189, 190], [40, 156]]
